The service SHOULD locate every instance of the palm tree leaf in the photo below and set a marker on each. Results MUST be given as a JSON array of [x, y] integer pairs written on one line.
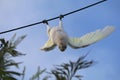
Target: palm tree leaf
[[9, 78], [18, 40], [13, 73]]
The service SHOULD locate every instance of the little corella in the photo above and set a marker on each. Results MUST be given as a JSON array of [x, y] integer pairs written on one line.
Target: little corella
[[58, 37]]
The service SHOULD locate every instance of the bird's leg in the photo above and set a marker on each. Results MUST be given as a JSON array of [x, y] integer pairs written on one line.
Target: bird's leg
[[60, 22], [45, 22], [48, 27]]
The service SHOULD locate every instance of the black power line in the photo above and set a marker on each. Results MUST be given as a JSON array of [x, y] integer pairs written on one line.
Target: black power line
[[29, 25]]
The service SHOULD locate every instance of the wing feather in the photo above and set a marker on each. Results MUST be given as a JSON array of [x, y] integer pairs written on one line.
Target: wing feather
[[49, 45], [91, 37]]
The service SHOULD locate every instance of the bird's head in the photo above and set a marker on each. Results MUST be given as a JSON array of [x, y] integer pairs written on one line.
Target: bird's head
[[62, 47]]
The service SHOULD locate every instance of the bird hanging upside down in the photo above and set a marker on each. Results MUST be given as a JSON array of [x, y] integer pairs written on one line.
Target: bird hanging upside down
[[58, 37]]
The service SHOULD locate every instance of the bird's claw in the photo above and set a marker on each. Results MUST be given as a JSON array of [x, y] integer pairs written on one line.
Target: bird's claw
[[45, 22], [61, 16]]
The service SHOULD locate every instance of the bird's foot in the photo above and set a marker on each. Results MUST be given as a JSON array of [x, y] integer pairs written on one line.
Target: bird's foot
[[61, 16], [45, 22]]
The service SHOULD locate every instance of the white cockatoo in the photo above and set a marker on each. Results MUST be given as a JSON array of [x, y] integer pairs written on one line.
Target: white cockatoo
[[58, 37]]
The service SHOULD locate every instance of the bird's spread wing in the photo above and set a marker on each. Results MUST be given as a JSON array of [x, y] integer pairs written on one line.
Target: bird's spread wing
[[49, 45], [90, 38]]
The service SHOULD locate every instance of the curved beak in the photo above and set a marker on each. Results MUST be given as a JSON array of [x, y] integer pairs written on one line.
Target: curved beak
[[62, 48]]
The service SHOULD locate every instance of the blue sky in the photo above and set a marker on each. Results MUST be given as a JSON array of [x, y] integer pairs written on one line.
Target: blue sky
[[15, 13]]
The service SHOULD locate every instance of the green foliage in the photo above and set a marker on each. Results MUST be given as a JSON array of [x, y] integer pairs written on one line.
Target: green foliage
[[67, 71], [37, 75], [23, 73], [7, 51]]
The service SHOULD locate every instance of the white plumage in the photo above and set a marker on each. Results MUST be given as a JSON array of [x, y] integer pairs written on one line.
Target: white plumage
[[58, 37]]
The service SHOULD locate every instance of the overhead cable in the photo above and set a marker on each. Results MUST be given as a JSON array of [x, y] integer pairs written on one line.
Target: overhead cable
[[29, 25]]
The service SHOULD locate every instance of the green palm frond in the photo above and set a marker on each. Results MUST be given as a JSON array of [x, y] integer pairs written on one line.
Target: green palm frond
[[67, 71], [7, 51], [37, 75]]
